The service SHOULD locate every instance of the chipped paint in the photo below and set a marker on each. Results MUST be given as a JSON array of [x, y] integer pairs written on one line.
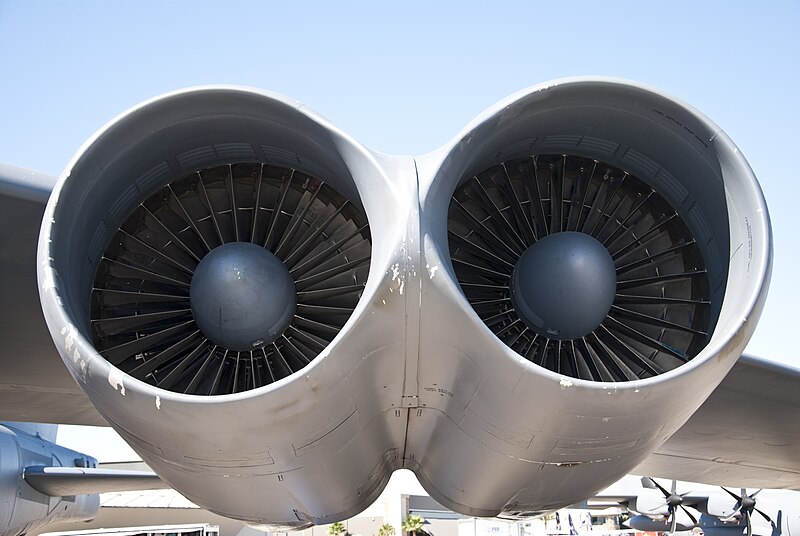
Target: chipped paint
[[399, 277], [431, 270], [77, 358], [115, 377], [49, 282], [564, 383], [158, 402], [70, 334]]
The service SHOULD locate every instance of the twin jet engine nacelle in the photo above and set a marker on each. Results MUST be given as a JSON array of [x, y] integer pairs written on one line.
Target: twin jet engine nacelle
[[276, 317]]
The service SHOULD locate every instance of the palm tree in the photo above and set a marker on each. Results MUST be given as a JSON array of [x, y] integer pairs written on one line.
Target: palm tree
[[336, 529], [386, 530], [413, 524]]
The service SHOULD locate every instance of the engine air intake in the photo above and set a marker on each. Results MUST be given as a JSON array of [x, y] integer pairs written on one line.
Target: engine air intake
[[229, 279], [527, 239]]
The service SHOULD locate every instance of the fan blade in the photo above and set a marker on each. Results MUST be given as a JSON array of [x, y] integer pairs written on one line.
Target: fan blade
[[511, 210], [142, 289]]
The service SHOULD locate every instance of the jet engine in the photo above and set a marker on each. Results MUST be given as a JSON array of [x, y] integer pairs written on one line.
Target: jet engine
[[598, 254], [222, 273], [276, 318]]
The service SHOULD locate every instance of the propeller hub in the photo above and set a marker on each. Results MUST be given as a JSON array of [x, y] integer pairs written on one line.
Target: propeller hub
[[674, 500], [748, 503], [242, 296], [563, 285]]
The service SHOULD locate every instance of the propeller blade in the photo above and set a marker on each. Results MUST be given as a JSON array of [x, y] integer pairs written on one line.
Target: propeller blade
[[749, 524], [738, 500], [756, 493], [732, 494], [660, 487], [765, 516], [673, 525], [688, 513], [674, 487]]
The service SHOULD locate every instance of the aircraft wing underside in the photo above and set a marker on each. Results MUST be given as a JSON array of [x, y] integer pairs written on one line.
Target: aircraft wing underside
[[34, 384], [746, 434]]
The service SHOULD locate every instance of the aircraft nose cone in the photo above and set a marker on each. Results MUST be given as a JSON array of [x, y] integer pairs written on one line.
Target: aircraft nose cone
[[563, 285], [242, 296]]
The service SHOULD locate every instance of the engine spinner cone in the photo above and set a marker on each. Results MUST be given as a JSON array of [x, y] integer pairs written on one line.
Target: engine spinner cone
[[242, 296], [563, 285]]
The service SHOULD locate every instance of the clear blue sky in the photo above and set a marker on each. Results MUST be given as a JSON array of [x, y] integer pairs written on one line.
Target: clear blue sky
[[404, 77]]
